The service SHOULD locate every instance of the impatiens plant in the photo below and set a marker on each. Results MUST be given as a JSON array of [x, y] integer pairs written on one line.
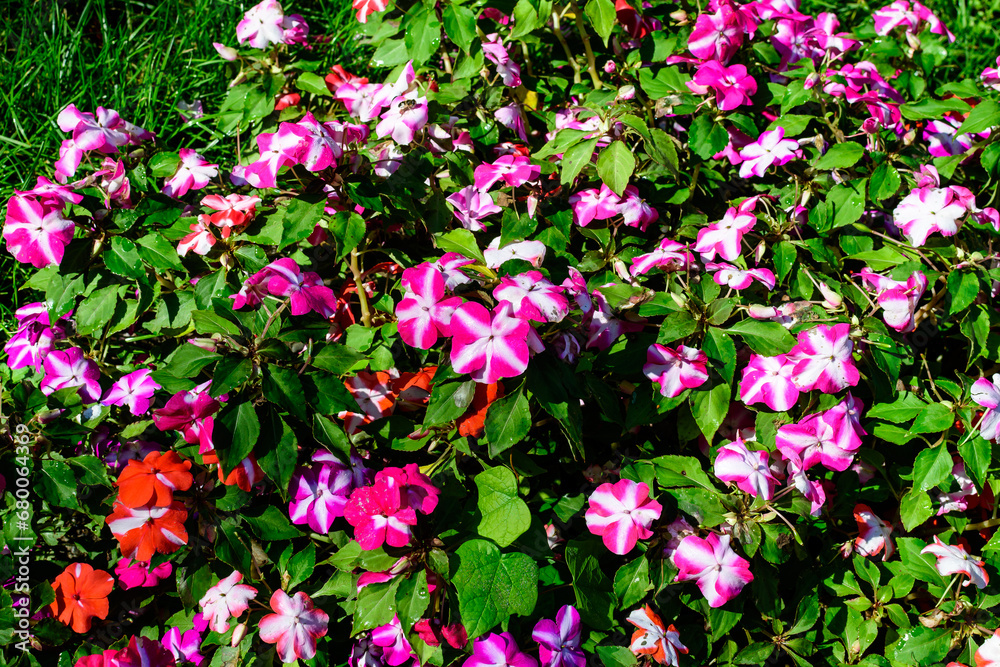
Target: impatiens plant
[[558, 334]]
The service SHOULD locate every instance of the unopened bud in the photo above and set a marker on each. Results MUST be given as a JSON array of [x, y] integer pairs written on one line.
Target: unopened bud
[[831, 299], [238, 633], [759, 312], [610, 67], [226, 52], [680, 16]]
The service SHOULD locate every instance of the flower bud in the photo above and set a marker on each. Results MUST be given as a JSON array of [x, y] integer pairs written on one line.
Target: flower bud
[[238, 633], [610, 67], [831, 299], [226, 52], [759, 312]]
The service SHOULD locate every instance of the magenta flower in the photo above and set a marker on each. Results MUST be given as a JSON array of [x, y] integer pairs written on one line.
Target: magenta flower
[[621, 514], [956, 560], [987, 395], [749, 470], [724, 237], [719, 36], [36, 231], [900, 14], [34, 337], [675, 370], [261, 26], [277, 149], [498, 650], [70, 157], [532, 252], [406, 116], [823, 359], [720, 573], [732, 85], [559, 640], [813, 440], [189, 412], [603, 326], [319, 147], [874, 535], [378, 516], [415, 488], [193, 173], [44, 188], [898, 299], [771, 381], [489, 348], [137, 574], [514, 170], [102, 131], [533, 297], [991, 76], [319, 495], [134, 390], [471, 206], [424, 313], [306, 291], [740, 279], [669, 256], [396, 650], [496, 53], [770, 148], [69, 368], [594, 204], [185, 646], [226, 599], [928, 210], [294, 627]]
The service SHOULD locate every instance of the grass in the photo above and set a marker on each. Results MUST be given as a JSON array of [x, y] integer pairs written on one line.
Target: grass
[[139, 57]]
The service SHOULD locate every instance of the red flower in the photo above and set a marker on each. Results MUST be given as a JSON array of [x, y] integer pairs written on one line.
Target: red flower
[[144, 531], [153, 480], [81, 594]]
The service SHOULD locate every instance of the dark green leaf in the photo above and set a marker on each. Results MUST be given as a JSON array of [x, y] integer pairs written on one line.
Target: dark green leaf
[[765, 338], [508, 421], [840, 156], [448, 401], [505, 516], [492, 586], [616, 163]]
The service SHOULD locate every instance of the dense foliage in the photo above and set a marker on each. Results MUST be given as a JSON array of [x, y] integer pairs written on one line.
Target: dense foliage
[[565, 334]]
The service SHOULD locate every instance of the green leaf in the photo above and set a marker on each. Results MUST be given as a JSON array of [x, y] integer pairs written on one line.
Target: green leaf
[[162, 165], [840, 156], [283, 387], [123, 259], [915, 508], [412, 598], [710, 408], [332, 435], [678, 471], [933, 419], [348, 228], [847, 202], [615, 164], [516, 227], [492, 586], [376, 605], [719, 348], [272, 525], [277, 450], [765, 338], [449, 401], [312, 83], [460, 25], [931, 109], [977, 454], [301, 565], [706, 138], [920, 646], [661, 148], [230, 373], [505, 515], [236, 432], [616, 656], [338, 359], [983, 116], [575, 159], [963, 288], [508, 421], [884, 182], [931, 467], [57, 484], [461, 241], [594, 591], [601, 14], [299, 218], [207, 322], [903, 409], [423, 35], [97, 309], [632, 582], [187, 361]]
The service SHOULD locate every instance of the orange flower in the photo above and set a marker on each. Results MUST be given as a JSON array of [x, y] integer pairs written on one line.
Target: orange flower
[[144, 531], [81, 594], [244, 475], [153, 480], [473, 422], [413, 389]]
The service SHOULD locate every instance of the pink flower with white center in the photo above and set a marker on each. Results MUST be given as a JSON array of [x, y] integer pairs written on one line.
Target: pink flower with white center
[[898, 299], [987, 395], [379, 516], [811, 441], [603, 326], [874, 535], [46, 189], [770, 148], [991, 76], [770, 380], [669, 256], [114, 183], [957, 500], [294, 626], [496, 53], [533, 297], [956, 560], [261, 26], [811, 490], [226, 599], [732, 85], [396, 650], [406, 116], [277, 149], [928, 210], [900, 14], [719, 36], [532, 252], [594, 204], [306, 291], [823, 359], [36, 231], [498, 650], [749, 470], [200, 240], [138, 574], [185, 646], [424, 313], [102, 133], [575, 287], [720, 573], [559, 640], [34, 338], [253, 292], [621, 514], [319, 148], [295, 29], [724, 237], [193, 173], [134, 390], [69, 368], [514, 170], [70, 156], [740, 279], [471, 206], [319, 494], [675, 370], [635, 211], [489, 348]]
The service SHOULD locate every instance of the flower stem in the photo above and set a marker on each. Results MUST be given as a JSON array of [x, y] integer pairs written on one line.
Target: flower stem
[[366, 315], [591, 63]]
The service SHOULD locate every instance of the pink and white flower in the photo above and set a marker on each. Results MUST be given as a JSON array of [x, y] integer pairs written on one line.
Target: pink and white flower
[[559, 640], [261, 25], [489, 348], [532, 252], [957, 501], [771, 381], [102, 131], [294, 626], [471, 206], [193, 173], [69, 368], [396, 649], [740, 279], [898, 299], [134, 390], [424, 313], [956, 560], [514, 170], [36, 231], [812, 440], [928, 210], [368, 7], [34, 338], [406, 116], [498, 650], [496, 53], [988, 655], [749, 470], [319, 495], [184, 645], [533, 297], [771, 148], [823, 359], [635, 211], [200, 240], [874, 534], [594, 204], [305, 291], [675, 370], [225, 600], [603, 326], [719, 572], [138, 574], [719, 36], [987, 395], [669, 256], [724, 237], [991, 79], [621, 513]]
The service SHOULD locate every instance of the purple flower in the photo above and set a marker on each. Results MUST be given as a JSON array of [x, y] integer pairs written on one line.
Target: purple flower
[[396, 650], [498, 650], [320, 494], [69, 368], [471, 206], [559, 640], [184, 646], [134, 390]]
